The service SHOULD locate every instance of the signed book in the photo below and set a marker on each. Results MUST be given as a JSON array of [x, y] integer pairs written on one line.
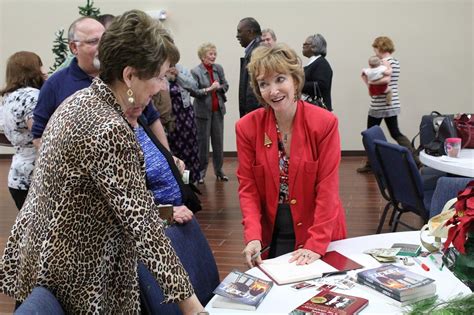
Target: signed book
[[397, 282], [241, 291], [282, 272], [333, 303]]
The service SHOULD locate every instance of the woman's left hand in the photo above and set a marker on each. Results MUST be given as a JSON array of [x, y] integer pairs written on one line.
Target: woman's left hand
[[182, 214], [304, 256], [180, 164]]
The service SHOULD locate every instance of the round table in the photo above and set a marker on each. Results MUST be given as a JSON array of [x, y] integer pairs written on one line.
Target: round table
[[462, 166]]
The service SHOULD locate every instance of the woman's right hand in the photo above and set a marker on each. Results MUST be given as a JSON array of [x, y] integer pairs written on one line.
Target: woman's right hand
[[252, 248], [182, 214], [214, 86]]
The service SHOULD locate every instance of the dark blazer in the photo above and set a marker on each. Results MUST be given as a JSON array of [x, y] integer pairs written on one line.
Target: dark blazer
[[318, 215], [247, 100], [202, 100], [321, 72]]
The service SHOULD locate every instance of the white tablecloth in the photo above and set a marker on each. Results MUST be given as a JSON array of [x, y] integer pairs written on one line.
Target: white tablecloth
[[462, 166], [283, 299]]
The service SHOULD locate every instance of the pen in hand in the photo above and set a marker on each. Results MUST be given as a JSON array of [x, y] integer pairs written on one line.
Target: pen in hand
[[263, 250]]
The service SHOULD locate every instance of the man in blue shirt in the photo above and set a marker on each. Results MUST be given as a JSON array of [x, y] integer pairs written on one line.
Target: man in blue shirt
[[84, 35]]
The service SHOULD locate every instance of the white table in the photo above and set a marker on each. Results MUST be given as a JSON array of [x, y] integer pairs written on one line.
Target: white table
[[463, 165], [283, 299]]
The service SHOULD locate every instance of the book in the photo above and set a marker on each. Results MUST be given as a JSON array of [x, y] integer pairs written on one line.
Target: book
[[397, 282], [329, 302], [241, 291], [282, 272], [411, 250], [398, 301]]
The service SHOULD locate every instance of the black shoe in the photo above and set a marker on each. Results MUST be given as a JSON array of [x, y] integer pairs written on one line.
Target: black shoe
[[364, 169], [222, 178]]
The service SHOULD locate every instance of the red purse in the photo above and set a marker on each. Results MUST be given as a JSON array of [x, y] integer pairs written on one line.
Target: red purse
[[465, 129]]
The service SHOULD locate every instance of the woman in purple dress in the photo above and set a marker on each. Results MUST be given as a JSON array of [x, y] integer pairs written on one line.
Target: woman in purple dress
[[183, 138]]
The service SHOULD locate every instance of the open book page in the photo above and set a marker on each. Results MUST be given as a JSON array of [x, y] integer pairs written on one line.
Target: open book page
[[283, 272]]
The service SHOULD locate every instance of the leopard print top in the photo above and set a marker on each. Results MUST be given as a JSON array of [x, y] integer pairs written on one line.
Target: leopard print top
[[88, 217]]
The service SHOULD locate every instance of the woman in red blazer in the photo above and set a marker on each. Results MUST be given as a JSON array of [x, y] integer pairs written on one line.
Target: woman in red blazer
[[289, 154]]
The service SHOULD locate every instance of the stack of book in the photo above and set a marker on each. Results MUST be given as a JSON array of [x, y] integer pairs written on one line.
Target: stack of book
[[399, 283]]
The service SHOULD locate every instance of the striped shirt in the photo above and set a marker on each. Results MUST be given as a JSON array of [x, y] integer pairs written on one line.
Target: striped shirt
[[378, 103]]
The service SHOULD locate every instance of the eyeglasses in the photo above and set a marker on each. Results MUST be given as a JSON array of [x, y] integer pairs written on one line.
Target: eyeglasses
[[90, 42], [306, 44]]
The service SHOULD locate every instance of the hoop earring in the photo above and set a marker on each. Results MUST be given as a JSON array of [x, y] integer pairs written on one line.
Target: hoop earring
[[296, 96], [131, 99]]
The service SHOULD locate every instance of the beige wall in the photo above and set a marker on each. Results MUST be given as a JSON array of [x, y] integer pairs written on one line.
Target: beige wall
[[434, 42]]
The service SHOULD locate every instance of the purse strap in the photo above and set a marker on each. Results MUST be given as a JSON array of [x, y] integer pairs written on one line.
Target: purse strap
[[317, 91]]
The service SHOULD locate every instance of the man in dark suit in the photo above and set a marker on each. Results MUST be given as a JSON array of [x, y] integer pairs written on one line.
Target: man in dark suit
[[248, 35], [318, 69]]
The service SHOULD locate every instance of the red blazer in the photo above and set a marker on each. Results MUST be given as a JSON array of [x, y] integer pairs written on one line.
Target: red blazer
[[318, 216]]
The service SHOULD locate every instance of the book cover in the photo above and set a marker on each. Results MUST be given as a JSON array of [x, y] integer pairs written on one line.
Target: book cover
[[397, 280], [241, 291], [411, 250], [329, 302], [282, 272]]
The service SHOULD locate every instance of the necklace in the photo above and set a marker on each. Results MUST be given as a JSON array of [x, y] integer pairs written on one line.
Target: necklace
[[285, 137]]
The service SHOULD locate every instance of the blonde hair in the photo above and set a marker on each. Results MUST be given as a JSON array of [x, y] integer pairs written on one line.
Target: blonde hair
[[280, 59], [204, 48]]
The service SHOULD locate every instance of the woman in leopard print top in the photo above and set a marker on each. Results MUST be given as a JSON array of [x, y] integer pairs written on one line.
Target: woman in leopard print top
[[89, 218]]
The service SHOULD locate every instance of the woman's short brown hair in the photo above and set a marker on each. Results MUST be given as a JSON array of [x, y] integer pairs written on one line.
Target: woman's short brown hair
[[23, 70], [280, 59], [384, 44], [204, 48], [134, 39]]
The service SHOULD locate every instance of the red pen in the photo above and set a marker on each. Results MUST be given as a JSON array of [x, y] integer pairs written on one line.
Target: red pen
[[425, 267]]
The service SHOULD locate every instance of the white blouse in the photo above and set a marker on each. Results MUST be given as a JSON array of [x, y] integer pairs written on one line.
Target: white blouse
[[18, 107]]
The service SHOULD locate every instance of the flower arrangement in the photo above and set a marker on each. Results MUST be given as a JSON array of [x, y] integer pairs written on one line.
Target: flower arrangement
[[462, 222]]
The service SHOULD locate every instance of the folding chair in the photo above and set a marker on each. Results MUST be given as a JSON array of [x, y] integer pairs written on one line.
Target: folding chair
[[368, 138], [403, 181]]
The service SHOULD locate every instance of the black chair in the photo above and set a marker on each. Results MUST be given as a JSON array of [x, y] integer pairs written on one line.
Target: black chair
[[403, 181], [368, 138]]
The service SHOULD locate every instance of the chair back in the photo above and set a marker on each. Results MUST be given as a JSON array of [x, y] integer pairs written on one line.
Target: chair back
[[193, 250], [368, 138], [446, 189], [40, 301], [401, 175]]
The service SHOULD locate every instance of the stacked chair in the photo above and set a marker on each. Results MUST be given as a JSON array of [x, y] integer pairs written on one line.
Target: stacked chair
[[399, 181], [404, 183]]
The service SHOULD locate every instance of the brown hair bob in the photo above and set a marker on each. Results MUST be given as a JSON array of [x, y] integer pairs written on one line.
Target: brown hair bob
[[134, 39], [280, 59], [23, 70]]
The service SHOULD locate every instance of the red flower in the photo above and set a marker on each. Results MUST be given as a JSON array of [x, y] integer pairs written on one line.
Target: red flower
[[463, 220]]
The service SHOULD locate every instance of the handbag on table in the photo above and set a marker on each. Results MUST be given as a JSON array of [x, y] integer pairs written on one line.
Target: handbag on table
[[440, 128], [465, 129]]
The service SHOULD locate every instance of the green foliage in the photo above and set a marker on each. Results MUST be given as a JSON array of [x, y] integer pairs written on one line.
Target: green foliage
[[89, 10], [462, 304], [60, 50]]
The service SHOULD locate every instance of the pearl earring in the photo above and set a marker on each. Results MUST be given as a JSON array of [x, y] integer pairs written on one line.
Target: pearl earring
[[131, 99]]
